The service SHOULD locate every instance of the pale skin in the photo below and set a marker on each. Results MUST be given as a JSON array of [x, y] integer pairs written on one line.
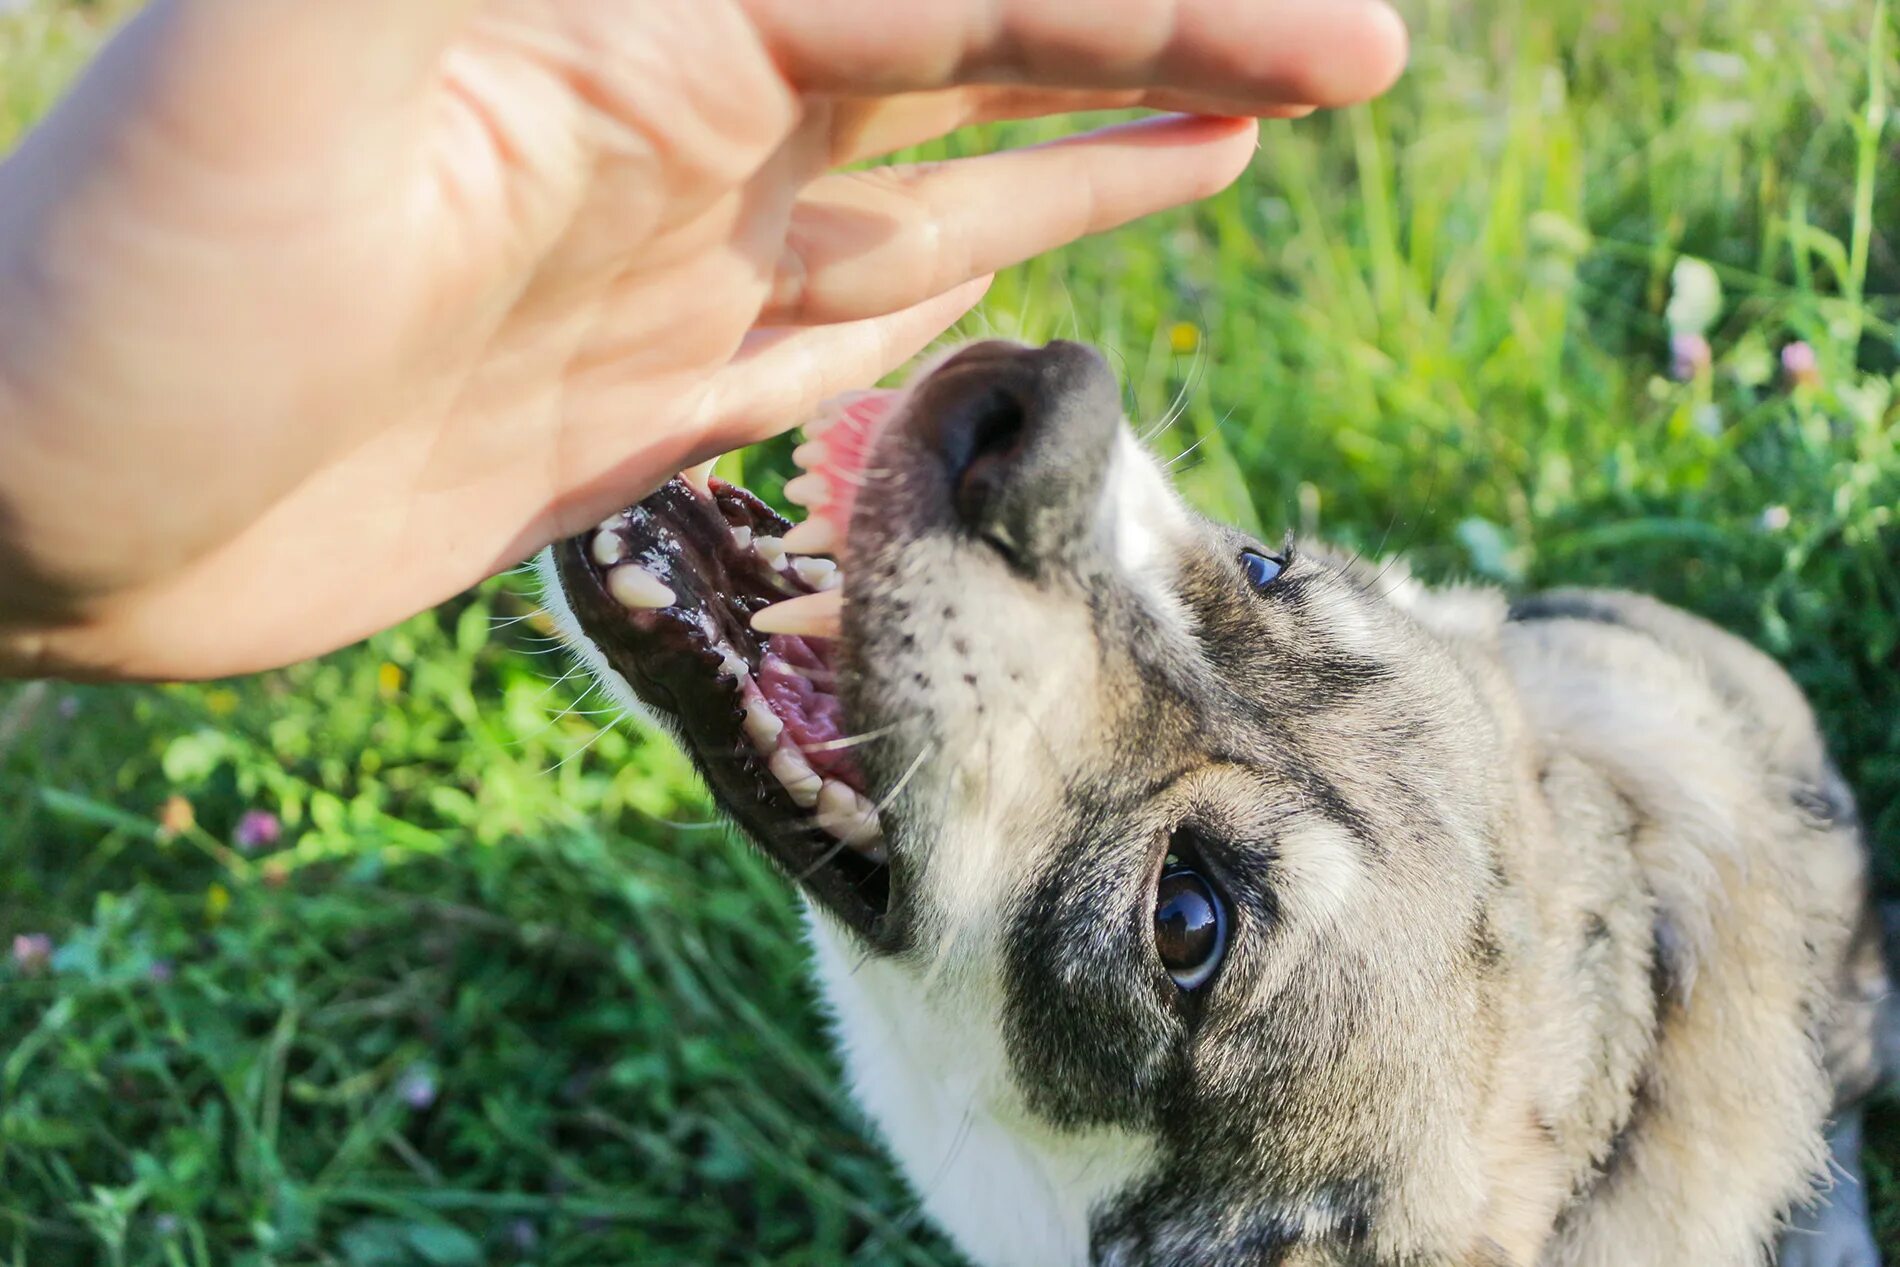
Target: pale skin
[[315, 312]]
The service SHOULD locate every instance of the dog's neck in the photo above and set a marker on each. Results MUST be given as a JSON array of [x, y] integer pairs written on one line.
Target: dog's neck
[[935, 1080]]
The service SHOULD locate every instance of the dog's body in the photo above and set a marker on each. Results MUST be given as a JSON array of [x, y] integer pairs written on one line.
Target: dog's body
[[1675, 889], [1538, 934]]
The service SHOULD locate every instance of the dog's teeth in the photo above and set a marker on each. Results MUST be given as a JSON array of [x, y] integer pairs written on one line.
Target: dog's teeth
[[846, 815], [816, 535], [608, 547], [830, 413], [762, 725], [814, 572], [730, 665], [742, 537], [633, 586], [808, 615], [836, 801], [798, 778], [611, 522], [833, 580], [699, 477], [809, 455], [771, 549], [809, 491]]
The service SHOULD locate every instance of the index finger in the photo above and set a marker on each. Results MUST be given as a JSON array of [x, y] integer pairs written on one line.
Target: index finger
[[1239, 52]]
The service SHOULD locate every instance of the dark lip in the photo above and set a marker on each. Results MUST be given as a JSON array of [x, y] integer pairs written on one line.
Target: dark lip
[[668, 658]]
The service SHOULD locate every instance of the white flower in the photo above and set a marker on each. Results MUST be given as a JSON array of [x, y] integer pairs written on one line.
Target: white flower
[[1695, 297]]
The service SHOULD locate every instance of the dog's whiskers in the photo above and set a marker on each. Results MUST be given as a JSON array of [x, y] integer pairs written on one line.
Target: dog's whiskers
[[583, 749], [849, 741], [1183, 399]]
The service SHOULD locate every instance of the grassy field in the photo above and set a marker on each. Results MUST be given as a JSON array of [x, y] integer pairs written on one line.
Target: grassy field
[[411, 956]]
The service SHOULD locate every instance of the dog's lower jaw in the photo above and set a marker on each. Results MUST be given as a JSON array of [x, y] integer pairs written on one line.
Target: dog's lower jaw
[[935, 1082]]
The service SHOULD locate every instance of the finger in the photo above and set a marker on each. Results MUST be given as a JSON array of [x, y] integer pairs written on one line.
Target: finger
[[782, 375], [776, 381], [864, 243], [1266, 52], [870, 127]]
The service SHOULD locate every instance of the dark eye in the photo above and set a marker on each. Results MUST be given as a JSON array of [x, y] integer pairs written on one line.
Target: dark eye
[[1190, 926], [1261, 569]]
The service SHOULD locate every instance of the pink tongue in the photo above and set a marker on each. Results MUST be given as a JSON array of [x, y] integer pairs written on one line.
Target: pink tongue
[[797, 683]]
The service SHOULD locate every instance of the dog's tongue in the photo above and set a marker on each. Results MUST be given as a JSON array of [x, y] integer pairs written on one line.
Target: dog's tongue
[[832, 457]]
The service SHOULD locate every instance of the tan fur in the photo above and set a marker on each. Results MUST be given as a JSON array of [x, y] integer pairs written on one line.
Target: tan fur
[[1659, 761]]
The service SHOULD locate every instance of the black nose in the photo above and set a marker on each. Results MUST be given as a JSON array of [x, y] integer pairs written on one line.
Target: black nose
[[1025, 436]]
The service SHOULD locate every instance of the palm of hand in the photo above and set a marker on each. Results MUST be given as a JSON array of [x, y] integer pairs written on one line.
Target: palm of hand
[[360, 328]]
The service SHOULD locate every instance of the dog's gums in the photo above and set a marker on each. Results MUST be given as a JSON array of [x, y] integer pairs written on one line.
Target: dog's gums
[[698, 600]]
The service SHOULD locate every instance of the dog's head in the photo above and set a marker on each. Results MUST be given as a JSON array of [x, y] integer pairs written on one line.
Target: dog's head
[[1190, 832]]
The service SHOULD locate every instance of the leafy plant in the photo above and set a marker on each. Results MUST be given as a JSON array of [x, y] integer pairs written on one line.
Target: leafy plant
[[413, 956]]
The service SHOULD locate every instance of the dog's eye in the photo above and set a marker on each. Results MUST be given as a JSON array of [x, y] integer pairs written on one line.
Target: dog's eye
[[1190, 926], [1262, 569]]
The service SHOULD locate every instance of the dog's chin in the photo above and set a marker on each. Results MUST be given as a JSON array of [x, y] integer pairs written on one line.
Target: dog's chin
[[666, 592]]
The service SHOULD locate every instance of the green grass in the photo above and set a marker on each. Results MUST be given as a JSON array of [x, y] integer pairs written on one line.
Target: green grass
[[501, 993]]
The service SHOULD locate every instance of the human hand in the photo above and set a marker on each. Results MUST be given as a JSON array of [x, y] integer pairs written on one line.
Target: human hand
[[315, 312]]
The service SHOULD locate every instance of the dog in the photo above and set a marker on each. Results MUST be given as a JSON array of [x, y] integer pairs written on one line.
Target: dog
[[1185, 899]]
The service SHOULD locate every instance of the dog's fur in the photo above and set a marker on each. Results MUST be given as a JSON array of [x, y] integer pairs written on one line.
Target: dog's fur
[[1550, 934]]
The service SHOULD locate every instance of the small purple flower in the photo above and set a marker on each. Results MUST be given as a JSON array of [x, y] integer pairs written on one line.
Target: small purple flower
[[32, 953], [1689, 356], [1800, 364], [417, 1089], [258, 829], [166, 1225], [522, 1236], [68, 707], [161, 972]]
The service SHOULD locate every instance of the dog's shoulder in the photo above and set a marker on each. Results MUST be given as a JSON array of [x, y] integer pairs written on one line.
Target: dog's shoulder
[[1743, 840]]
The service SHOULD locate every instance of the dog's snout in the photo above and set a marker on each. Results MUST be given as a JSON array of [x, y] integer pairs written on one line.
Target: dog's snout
[[1024, 435]]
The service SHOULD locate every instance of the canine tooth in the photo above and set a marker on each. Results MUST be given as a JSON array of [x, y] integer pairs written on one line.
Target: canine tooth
[[814, 536], [634, 586], [809, 491], [833, 580], [811, 615], [742, 537], [762, 725], [815, 572], [799, 779], [732, 666], [846, 815], [808, 455], [699, 477], [608, 548], [771, 549]]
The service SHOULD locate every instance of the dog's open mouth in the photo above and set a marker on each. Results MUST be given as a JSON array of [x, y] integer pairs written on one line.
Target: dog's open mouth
[[670, 591]]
